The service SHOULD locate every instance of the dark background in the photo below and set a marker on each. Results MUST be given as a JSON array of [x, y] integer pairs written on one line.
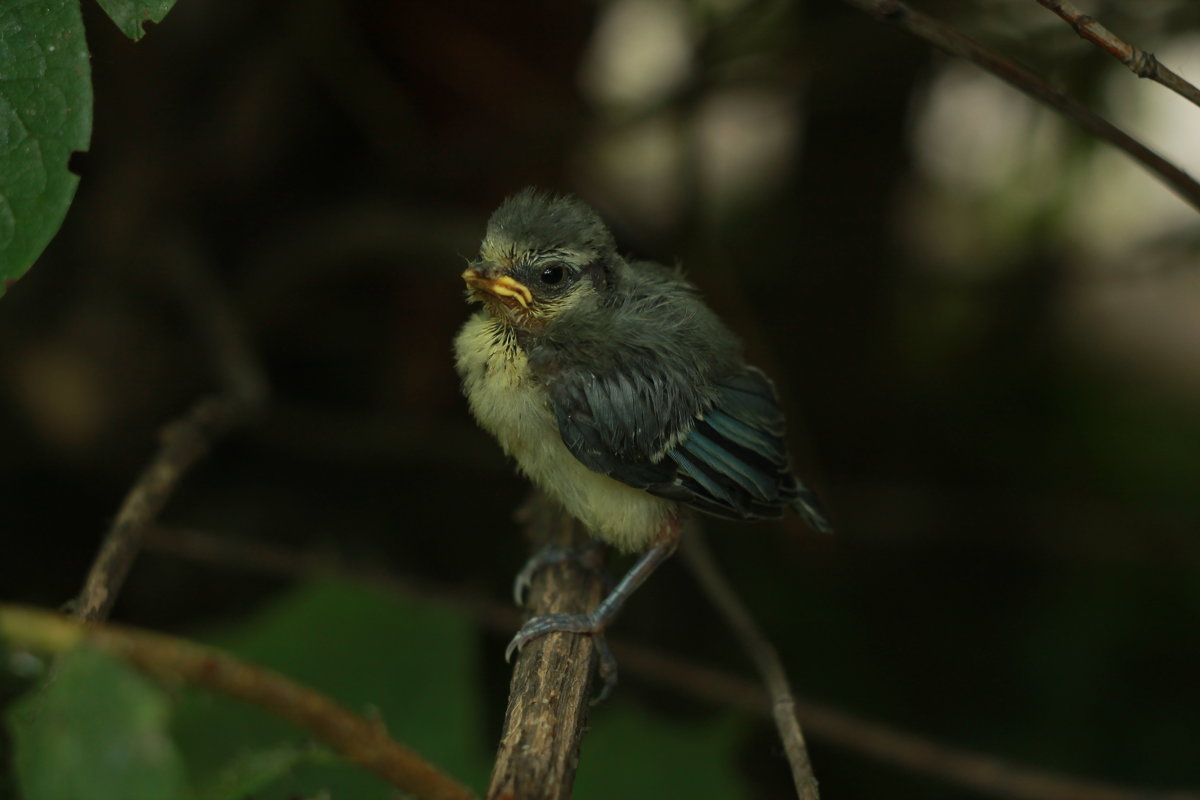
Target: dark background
[[985, 326]]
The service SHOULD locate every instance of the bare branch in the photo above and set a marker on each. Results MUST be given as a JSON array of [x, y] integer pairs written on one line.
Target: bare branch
[[951, 41], [362, 741], [1140, 62], [958, 766], [184, 441], [551, 683], [762, 653]]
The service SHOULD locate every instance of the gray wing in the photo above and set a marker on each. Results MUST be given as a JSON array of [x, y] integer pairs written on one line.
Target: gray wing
[[717, 447]]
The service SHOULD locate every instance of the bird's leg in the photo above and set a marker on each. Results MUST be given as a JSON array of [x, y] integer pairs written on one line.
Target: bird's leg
[[590, 558], [597, 621]]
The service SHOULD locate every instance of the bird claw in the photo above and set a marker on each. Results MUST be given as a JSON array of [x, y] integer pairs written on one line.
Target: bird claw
[[584, 624], [551, 623], [588, 558], [606, 668], [523, 583], [547, 556]]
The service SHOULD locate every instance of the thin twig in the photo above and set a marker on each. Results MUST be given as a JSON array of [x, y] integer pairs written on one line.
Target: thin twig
[[1140, 62], [951, 41], [762, 653], [365, 742], [551, 683], [183, 441], [985, 774]]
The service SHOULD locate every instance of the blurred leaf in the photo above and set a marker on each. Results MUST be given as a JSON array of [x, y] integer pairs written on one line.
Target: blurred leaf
[[629, 753], [45, 115], [411, 665], [132, 15], [96, 731], [252, 773]]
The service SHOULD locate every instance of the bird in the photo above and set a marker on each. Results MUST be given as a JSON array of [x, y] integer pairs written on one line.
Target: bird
[[616, 391]]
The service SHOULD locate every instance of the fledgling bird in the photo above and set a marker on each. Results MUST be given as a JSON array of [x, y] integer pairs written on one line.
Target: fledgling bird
[[616, 390]]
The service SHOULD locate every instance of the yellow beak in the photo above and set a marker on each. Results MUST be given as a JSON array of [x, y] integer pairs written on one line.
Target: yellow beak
[[505, 287]]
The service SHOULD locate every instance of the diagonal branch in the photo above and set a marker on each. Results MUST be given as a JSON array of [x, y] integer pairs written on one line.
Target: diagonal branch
[[762, 653], [363, 741], [951, 41], [184, 441], [1140, 62]]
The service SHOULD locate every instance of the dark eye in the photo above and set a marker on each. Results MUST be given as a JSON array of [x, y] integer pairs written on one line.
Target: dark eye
[[552, 275]]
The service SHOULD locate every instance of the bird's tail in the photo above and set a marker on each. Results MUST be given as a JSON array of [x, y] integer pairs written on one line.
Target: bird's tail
[[804, 502]]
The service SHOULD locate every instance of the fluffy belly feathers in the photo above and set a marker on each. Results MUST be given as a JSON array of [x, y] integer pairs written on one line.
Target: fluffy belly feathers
[[508, 402]]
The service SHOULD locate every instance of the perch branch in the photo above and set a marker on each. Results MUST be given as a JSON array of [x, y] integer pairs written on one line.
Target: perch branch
[[183, 441], [1140, 62], [960, 767], [951, 41], [171, 660], [551, 683], [762, 653]]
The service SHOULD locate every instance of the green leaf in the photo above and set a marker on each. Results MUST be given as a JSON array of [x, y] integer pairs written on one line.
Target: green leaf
[[96, 730], [132, 15], [45, 115], [411, 665]]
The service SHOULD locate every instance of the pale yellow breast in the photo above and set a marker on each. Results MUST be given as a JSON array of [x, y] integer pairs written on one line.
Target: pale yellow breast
[[509, 403]]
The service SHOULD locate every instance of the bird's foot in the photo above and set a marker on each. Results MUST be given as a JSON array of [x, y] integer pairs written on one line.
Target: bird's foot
[[584, 624], [552, 623], [589, 558], [595, 623]]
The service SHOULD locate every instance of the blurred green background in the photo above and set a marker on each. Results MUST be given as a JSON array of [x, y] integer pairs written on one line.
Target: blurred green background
[[985, 325]]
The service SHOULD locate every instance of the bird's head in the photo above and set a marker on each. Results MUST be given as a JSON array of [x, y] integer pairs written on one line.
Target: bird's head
[[542, 257]]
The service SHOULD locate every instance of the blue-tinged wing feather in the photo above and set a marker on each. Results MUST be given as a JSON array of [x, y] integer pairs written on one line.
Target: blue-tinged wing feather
[[734, 430], [747, 418], [762, 484], [750, 398], [702, 478], [739, 440]]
